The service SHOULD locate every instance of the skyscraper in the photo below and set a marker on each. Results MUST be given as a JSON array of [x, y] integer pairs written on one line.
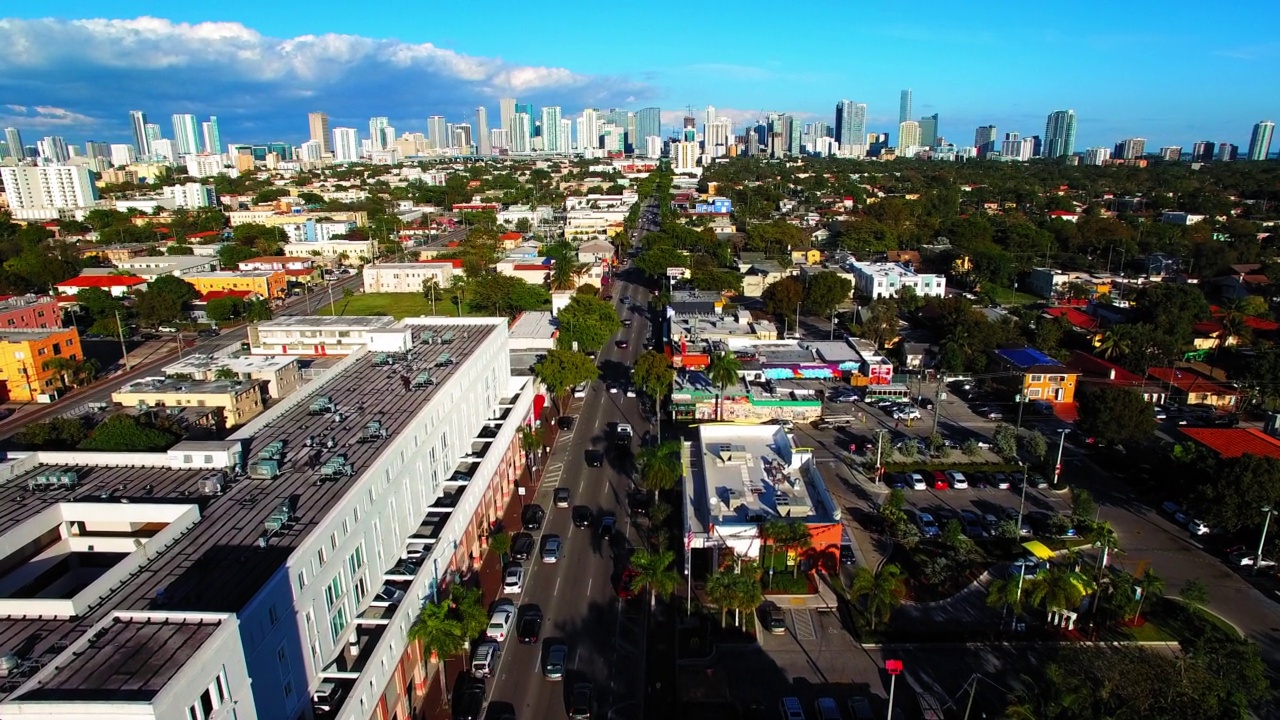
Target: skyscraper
[[521, 132], [1202, 151], [346, 144], [908, 135], [565, 135], [904, 106], [648, 124], [1228, 152], [377, 139], [1060, 134], [929, 130], [589, 132], [1097, 156], [186, 134], [462, 137], [984, 140], [438, 132], [13, 139], [54, 149], [212, 139], [138, 120], [507, 113], [551, 129], [1172, 153], [153, 135], [527, 109], [482, 131], [319, 125], [851, 124], [1130, 149], [1260, 141]]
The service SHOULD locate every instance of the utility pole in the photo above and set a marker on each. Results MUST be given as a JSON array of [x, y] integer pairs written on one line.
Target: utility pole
[[1266, 523], [879, 434], [1057, 467], [123, 348], [938, 397]]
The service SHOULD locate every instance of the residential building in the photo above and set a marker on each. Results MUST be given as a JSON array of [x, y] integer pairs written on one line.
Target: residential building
[[648, 124], [346, 145], [24, 355], [151, 267], [276, 263], [1060, 134], [349, 252], [270, 284], [908, 136], [53, 149], [482, 131], [408, 277], [186, 134], [1171, 153], [190, 196], [48, 192], [1038, 376], [319, 335], [1189, 387], [1234, 442], [438, 133], [929, 130], [877, 280], [30, 312], [164, 151], [985, 139], [535, 271], [851, 124], [684, 157], [1097, 156], [522, 134], [1181, 218], [202, 166], [211, 136], [280, 375], [1202, 151], [1228, 152], [1016, 147], [551, 130], [122, 155], [1260, 140], [239, 400], [378, 139], [596, 251], [318, 124], [1130, 149], [904, 106], [138, 121], [117, 285]]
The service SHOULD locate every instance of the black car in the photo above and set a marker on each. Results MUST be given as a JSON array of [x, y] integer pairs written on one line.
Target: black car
[[565, 422], [582, 516], [532, 516], [846, 555], [581, 702], [468, 699], [529, 624], [522, 545], [595, 458], [207, 333]]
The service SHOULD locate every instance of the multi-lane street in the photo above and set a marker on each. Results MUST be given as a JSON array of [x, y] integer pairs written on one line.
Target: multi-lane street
[[576, 594]]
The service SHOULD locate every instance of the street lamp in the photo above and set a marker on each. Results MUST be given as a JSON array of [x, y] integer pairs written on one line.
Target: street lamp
[[1022, 502], [1022, 403], [1057, 466], [1266, 522], [879, 432]]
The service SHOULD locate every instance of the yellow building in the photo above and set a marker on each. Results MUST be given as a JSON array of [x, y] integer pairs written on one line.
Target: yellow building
[[807, 256], [24, 355], [239, 400], [267, 283]]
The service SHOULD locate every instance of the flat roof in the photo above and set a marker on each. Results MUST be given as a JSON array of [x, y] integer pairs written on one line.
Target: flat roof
[[19, 335], [171, 260], [327, 322], [239, 363], [127, 660], [232, 274], [835, 352], [533, 325], [178, 386], [217, 566], [751, 473]]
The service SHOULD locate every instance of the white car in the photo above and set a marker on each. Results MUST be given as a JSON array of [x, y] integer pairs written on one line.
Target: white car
[[500, 623], [580, 391], [631, 392], [906, 413], [1244, 559], [513, 580], [958, 480], [917, 482], [1198, 527]]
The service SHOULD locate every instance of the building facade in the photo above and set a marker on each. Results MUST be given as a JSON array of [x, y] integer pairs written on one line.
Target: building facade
[[877, 280], [48, 192], [270, 284], [24, 357]]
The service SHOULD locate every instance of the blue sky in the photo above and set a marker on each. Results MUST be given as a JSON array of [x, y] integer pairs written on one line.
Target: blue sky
[[1173, 72]]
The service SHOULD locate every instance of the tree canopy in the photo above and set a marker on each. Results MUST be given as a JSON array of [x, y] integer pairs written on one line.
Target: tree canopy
[[1116, 415], [588, 321]]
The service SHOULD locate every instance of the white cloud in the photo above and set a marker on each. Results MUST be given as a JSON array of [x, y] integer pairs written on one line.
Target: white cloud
[[42, 117]]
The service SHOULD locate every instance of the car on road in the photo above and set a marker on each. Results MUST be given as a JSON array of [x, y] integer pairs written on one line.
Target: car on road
[[1246, 558], [207, 333], [626, 300], [529, 624], [612, 388], [551, 547], [513, 580], [622, 344], [468, 699], [522, 545], [846, 554], [626, 322], [917, 482], [990, 413], [594, 458], [607, 525], [500, 621], [562, 497], [844, 398], [580, 390], [631, 391], [581, 702], [775, 621], [554, 657], [1199, 527], [1160, 413], [582, 516], [532, 516], [906, 413], [957, 480], [565, 422], [167, 329], [940, 480]]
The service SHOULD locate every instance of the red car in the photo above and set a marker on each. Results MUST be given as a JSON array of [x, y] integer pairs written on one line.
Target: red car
[[623, 588], [940, 480]]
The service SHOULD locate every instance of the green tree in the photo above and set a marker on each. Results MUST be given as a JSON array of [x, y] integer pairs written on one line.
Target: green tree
[[783, 297], [467, 606], [1150, 584], [655, 260], [881, 591], [720, 589], [1006, 593], [1172, 309], [908, 299], [505, 295], [226, 373], [588, 321], [660, 466], [231, 255], [654, 574], [163, 300], [653, 375], [722, 372], [826, 291], [881, 325], [500, 545], [440, 634], [1230, 490], [179, 249], [257, 311], [1035, 445], [60, 433], [1116, 415], [1195, 592], [1058, 588], [1083, 507], [72, 372], [1114, 343], [1005, 441], [563, 369], [126, 433], [224, 308]]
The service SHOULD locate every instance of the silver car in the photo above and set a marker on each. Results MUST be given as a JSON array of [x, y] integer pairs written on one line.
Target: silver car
[[551, 546], [554, 661]]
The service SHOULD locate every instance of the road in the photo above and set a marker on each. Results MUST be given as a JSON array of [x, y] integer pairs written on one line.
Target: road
[[576, 595], [100, 391]]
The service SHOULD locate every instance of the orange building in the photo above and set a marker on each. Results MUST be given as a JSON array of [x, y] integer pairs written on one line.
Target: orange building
[[24, 355], [1038, 376], [267, 283]]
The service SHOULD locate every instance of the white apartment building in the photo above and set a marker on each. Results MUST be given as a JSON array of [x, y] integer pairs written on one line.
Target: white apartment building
[[291, 570], [593, 224], [653, 146], [122, 155], [48, 192], [201, 166], [407, 277], [346, 145], [352, 250], [684, 157], [877, 280], [152, 267], [1097, 156], [190, 195], [601, 202]]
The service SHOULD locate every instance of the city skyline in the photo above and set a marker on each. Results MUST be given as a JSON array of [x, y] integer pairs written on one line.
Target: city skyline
[[258, 99]]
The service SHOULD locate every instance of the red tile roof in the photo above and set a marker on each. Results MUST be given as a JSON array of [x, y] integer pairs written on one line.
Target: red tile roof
[[1097, 367], [1189, 381], [216, 294], [1234, 442], [1077, 318], [206, 233], [1253, 323], [299, 272], [102, 281], [510, 236], [528, 266]]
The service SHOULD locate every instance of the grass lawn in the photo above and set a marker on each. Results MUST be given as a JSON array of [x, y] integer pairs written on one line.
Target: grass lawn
[[397, 305], [1008, 296], [1146, 632]]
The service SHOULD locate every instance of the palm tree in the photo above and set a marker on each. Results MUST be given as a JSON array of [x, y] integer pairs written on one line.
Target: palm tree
[[1114, 343], [458, 284], [792, 535], [1058, 588], [467, 604], [440, 634], [723, 372], [747, 591], [1233, 323], [720, 592], [226, 373], [883, 590], [530, 443], [1149, 583], [660, 466], [1006, 593], [654, 573], [64, 366], [430, 288]]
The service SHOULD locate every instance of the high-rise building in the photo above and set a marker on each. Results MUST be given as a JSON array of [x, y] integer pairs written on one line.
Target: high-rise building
[[904, 107], [162, 149], [438, 132], [40, 193], [378, 139], [648, 124], [1202, 151], [1097, 156], [589, 131], [929, 130], [95, 149], [507, 113], [684, 156], [53, 149], [499, 140], [319, 126], [122, 154], [1060, 134], [1172, 153], [527, 109], [564, 135], [1130, 149], [908, 135], [551, 129], [462, 137], [482, 131], [186, 134], [138, 120], [718, 136], [984, 140], [346, 144], [13, 139], [153, 135], [212, 138], [1227, 152], [1260, 141], [522, 131], [851, 124]]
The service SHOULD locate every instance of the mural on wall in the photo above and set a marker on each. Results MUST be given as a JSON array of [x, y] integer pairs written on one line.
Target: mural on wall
[[802, 372]]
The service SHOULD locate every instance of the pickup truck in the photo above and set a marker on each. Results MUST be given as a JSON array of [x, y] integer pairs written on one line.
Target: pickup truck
[[622, 436]]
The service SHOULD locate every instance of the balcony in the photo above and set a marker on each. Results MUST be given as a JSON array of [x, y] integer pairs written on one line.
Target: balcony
[[356, 652]]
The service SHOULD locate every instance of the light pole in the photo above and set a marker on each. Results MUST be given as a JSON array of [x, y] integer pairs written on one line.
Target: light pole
[[1022, 402], [1022, 503], [797, 321], [123, 348], [1266, 522], [1057, 466], [879, 435]]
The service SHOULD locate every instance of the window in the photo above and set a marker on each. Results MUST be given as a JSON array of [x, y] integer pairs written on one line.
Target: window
[[346, 527], [1057, 378], [1037, 378], [333, 540], [322, 555], [338, 623], [1033, 393], [356, 560], [273, 615], [333, 592]]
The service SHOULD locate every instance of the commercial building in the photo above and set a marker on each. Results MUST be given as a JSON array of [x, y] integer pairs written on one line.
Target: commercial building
[[315, 335], [1038, 376], [877, 280], [407, 277], [535, 271], [985, 140], [239, 400], [280, 374], [277, 263], [30, 312], [349, 252], [318, 125], [48, 192], [207, 578], [271, 284], [151, 267], [117, 285], [741, 477], [23, 356]]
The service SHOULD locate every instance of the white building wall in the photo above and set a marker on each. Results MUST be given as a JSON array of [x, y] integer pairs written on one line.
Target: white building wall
[[407, 277]]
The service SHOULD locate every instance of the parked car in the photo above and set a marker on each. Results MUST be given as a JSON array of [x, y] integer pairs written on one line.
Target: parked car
[[468, 699], [957, 480], [940, 480], [1245, 558], [532, 516], [897, 481], [500, 621], [522, 545], [1198, 527], [513, 580], [1000, 480], [917, 482], [776, 621], [928, 526], [565, 422], [990, 413], [906, 413]]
